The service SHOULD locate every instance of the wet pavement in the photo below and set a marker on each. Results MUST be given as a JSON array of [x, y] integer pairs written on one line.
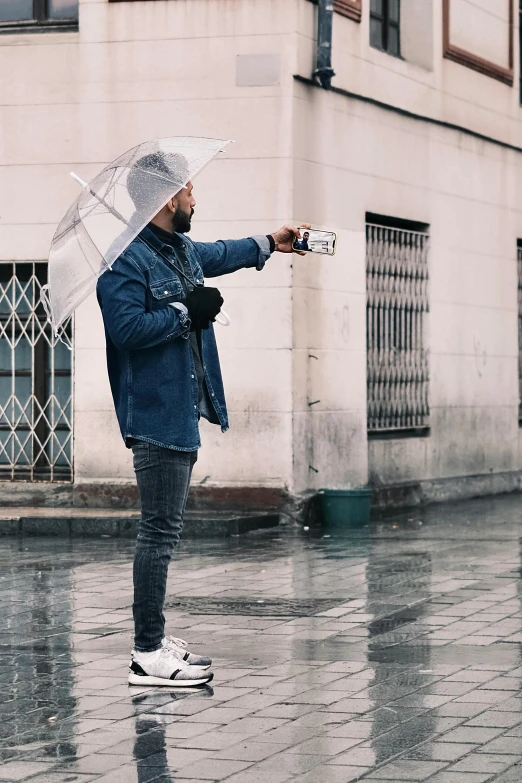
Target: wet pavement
[[386, 655]]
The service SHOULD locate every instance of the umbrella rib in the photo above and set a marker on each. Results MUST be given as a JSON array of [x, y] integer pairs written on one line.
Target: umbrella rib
[[149, 172], [107, 206], [92, 244]]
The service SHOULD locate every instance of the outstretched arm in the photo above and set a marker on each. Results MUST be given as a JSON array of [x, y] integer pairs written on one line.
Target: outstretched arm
[[226, 256]]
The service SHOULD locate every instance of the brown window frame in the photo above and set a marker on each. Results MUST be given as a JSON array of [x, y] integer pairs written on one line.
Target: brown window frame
[[473, 61], [351, 9]]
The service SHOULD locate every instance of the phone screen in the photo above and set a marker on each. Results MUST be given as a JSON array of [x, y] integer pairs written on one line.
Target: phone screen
[[314, 241]]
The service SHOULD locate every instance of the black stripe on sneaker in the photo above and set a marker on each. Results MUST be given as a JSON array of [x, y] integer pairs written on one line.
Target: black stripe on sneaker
[[186, 656], [136, 668], [175, 674]]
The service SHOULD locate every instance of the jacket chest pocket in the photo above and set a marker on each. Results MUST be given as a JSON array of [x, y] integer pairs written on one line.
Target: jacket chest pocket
[[164, 292], [195, 268]]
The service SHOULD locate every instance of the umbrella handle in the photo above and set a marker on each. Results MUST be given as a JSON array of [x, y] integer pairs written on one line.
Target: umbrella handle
[[79, 180], [223, 318]]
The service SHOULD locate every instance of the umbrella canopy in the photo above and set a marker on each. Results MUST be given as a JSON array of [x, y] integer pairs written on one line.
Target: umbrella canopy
[[112, 210]]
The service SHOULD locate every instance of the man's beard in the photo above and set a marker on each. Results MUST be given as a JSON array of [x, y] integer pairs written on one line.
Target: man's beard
[[181, 221]]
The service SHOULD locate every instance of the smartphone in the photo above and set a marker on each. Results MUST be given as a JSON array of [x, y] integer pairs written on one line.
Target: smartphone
[[314, 241]]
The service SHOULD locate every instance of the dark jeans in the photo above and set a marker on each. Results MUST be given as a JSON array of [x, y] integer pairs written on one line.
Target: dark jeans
[[163, 477]]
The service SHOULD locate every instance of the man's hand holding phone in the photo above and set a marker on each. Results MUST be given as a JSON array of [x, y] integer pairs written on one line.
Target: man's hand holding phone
[[286, 238]]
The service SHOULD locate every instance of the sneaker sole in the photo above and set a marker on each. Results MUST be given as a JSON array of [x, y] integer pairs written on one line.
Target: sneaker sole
[[141, 679], [197, 667]]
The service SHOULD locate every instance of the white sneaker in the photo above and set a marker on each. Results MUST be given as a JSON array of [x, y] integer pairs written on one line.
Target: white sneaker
[[179, 648], [164, 668]]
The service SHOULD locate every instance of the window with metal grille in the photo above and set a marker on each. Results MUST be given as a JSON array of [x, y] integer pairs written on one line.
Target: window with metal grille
[[385, 24], [39, 14], [35, 382], [519, 262], [397, 306]]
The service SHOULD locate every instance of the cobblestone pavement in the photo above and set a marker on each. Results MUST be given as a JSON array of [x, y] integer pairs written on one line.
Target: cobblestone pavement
[[390, 655]]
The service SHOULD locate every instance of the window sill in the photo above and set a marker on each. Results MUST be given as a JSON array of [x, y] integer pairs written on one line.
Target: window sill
[[31, 28], [390, 54]]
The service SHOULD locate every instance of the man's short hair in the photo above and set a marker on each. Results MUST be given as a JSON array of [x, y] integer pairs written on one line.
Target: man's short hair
[[155, 178]]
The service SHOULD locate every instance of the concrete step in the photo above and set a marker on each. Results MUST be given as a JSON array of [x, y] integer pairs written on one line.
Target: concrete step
[[118, 523]]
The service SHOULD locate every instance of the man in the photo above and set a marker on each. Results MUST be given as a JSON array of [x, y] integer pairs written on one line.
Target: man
[[164, 373], [302, 244]]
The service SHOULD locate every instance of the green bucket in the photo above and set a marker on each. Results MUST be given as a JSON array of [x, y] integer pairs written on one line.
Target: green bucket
[[345, 507]]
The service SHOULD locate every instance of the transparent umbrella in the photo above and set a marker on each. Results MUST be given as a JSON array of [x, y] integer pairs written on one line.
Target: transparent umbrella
[[111, 211]]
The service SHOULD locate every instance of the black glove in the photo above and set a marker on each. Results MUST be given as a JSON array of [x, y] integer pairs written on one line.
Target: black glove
[[203, 304]]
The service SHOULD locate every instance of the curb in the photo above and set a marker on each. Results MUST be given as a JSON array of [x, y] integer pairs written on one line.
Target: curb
[[68, 523]]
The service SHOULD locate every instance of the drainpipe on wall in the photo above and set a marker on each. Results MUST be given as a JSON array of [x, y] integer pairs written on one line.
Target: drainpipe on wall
[[324, 71]]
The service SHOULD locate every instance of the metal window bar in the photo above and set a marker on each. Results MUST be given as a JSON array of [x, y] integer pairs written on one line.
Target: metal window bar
[[519, 262], [397, 304], [35, 382]]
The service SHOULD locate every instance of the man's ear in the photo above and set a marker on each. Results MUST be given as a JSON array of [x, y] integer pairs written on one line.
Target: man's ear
[[172, 204]]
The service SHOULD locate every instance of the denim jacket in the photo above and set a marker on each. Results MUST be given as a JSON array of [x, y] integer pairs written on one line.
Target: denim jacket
[[149, 358]]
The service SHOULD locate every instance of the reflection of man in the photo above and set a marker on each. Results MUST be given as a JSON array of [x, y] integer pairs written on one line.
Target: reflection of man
[[164, 373], [150, 743], [302, 244]]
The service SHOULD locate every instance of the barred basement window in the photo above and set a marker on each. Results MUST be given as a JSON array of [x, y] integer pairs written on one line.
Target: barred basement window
[[397, 305], [519, 261], [35, 382]]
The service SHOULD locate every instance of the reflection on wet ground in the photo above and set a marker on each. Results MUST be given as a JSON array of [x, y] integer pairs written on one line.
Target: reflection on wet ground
[[392, 654]]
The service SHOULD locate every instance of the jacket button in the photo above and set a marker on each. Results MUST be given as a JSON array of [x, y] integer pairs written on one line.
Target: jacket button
[[195, 406], [165, 292], [192, 376]]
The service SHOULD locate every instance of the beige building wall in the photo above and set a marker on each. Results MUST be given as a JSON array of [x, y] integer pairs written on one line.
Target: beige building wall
[[353, 156], [294, 360], [142, 70]]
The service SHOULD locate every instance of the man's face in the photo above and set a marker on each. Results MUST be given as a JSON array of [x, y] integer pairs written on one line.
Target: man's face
[[184, 203], [306, 235]]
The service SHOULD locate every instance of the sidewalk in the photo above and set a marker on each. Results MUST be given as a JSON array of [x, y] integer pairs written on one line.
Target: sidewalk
[[386, 655]]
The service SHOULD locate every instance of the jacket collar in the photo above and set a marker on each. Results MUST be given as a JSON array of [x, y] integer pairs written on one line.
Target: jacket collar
[[158, 239]]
